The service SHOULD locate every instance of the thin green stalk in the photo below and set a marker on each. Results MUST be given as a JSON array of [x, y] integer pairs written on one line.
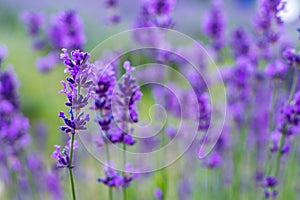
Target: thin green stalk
[[282, 139], [110, 191], [294, 84], [278, 158], [70, 168], [273, 103], [124, 163]]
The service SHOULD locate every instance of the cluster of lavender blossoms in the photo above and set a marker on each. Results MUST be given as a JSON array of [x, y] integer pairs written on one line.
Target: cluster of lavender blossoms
[[113, 16], [64, 30], [156, 13], [21, 168], [78, 89], [214, 26], [116, 104]]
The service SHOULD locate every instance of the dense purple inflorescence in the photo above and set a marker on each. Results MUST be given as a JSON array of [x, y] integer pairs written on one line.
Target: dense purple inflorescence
[[80, 79], [65, 30]]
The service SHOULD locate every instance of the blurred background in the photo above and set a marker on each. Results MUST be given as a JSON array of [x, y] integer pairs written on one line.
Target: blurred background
[[39, 97]]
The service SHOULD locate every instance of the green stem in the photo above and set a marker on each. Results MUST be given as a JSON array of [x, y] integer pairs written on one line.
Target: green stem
[[282, 139], [278, 158], [273, 103], [294, 84], [110, 191], [124, 163], [70, 168]]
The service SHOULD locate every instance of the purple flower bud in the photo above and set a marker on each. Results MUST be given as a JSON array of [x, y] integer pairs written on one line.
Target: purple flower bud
[[158, 194]]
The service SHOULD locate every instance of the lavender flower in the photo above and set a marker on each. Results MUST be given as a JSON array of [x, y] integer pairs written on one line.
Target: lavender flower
[[46, 63], [114, 15], [126, 98], [269, 184], [65, 30], [292, 57], [276, 69], [14, 132], [3, 53], [112, 178], [156, 13], [267, 21], [62, 155], [214, 25], [241, 45], [158, 194]]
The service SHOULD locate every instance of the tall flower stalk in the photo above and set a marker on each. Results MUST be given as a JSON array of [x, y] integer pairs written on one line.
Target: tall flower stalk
[[80, 72], [121, 110]]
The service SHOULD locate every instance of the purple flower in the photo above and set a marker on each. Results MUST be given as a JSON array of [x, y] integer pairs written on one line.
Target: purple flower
[[34, 22], [161, 7], [241, 44], [81, 76], [214, 25], [266, 20], [3, 53], [47, 63], [111, 3], [291, 57], [112, 178], [270, 182], [158, 194], [276, 69], [126, 97], [62, 155], [205, 111], [213, 160], [66, 31], [156, 13]]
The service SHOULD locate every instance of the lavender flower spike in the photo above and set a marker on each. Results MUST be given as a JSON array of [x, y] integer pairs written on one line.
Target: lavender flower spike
[[80, 78]]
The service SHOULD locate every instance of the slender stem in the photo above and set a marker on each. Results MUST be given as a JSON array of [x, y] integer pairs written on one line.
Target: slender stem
[[273, 103], [124, 163], [294, 84], [282, 139], [278, 158], [70, 168], [110, 191]]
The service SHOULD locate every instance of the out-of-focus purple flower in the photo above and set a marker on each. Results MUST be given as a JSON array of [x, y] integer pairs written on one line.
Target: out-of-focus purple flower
[[239, 81], [105, 82], [114, 19], [47, 63], [129, 174], [3, 53], [184, 189], [269, 184], [34, 22], [267, 20], [52, 182], [126, 97], [156, 13], [241, 44], [161, 7], [213, 160], [112, 178], [214, 25], [14, 130], [111, 3], [205, 111], [66, 31], [158, 194], [292, 57], [276, 69]]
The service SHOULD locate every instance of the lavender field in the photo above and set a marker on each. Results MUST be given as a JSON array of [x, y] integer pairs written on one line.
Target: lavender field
[[150, 100]]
